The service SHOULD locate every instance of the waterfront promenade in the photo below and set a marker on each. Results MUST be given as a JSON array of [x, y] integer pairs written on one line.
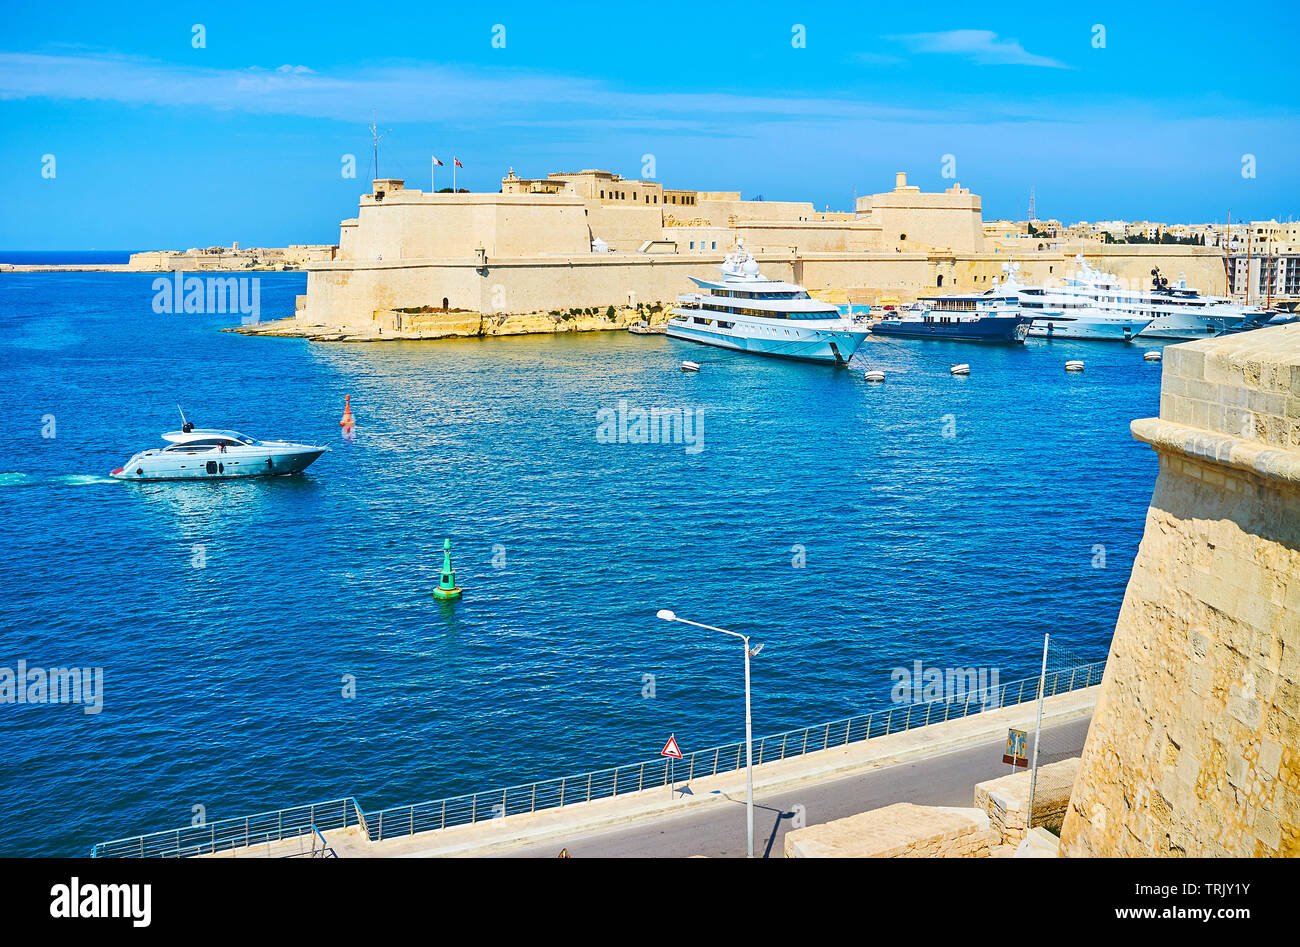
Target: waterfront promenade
[[937, 764], [944, 779]]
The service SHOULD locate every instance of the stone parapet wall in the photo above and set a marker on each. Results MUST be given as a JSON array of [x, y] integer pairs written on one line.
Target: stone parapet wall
[[903, 830], [1006, 799], [1194, 748]]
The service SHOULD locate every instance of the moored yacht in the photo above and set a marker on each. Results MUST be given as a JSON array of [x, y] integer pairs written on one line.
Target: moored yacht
[[1090, 296], [991, 316], [745, 311], [210, 454]]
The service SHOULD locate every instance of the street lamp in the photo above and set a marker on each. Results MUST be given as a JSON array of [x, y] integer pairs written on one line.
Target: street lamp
[[669, 615]]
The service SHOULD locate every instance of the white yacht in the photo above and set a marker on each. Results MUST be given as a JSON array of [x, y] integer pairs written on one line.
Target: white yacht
[[1055, 315], [748, 312], [209, 454], [1095, 301]]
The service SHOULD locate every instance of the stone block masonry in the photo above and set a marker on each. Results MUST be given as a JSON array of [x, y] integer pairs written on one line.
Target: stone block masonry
[[1006, 799], [903, 830], [1195, 745]]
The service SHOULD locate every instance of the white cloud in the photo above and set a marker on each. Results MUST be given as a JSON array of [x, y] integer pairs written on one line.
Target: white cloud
[[981, 46], [416, 92]]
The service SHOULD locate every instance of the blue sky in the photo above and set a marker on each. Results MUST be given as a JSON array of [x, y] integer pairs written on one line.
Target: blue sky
[[158, 144]]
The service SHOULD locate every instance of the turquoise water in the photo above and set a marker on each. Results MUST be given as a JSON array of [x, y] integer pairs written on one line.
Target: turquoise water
[[226, 615]]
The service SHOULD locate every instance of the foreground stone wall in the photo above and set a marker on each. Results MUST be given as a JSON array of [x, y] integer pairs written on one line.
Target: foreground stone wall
[[1006, 799], [1194, 748], [903, 830]]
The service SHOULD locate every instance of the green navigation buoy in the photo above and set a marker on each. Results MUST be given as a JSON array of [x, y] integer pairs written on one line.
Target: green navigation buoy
[[447, 588]]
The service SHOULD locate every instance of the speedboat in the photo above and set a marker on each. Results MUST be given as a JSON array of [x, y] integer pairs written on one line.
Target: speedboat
[[747, 312], [210, 454]]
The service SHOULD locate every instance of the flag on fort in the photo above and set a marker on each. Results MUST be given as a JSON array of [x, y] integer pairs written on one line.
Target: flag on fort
[[458, 164], [436, 161]]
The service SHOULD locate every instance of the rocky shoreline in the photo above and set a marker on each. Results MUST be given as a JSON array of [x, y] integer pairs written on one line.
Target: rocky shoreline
[[402, 325]]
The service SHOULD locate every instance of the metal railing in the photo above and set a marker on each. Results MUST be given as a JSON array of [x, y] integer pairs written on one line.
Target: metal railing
[[397, 821], [227, 834], [635, 777]]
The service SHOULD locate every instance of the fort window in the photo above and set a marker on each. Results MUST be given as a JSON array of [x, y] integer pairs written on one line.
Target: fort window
[[444, 302], [902, 237], [940, 282]]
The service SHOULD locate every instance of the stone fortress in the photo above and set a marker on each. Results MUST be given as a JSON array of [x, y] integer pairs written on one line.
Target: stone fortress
[[594, 239], [1194, 748], [230, 258]]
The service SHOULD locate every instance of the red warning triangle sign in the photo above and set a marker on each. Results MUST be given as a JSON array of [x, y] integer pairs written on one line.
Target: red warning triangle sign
[[671, 748]]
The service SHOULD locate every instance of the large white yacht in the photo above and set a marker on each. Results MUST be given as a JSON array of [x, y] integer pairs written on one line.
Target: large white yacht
[[748, 312], [1091, 297], [210, 454]]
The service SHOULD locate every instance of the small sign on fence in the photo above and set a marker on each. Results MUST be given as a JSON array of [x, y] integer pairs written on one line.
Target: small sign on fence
[[1017, 753]]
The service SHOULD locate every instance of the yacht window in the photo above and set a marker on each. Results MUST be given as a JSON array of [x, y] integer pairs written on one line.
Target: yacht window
[[199, 445]]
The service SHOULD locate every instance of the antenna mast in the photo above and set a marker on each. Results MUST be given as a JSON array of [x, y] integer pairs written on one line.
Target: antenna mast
[[1268, 274], [1227, 257], [374, 138], [1248, 263]]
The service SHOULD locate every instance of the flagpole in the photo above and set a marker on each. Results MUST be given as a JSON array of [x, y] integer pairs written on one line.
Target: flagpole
[[433, 175], [454, 159]]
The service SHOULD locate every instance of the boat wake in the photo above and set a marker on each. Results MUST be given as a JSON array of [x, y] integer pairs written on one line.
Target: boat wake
[[72, 480]]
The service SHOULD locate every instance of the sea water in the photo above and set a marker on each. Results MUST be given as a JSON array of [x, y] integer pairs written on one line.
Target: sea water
[[265, 643]]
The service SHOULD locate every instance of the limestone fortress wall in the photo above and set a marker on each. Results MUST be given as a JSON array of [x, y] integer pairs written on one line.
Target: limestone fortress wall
[[1194, 748], [591, 238]]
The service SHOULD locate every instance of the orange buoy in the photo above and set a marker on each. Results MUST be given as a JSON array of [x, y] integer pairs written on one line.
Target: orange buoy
[[346, 420]]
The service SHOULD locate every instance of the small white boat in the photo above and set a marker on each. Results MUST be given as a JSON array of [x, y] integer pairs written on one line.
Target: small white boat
[[689, 366], [1152, 356], [209, 454], [874, 374], [962, 369], [1074, 365]]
